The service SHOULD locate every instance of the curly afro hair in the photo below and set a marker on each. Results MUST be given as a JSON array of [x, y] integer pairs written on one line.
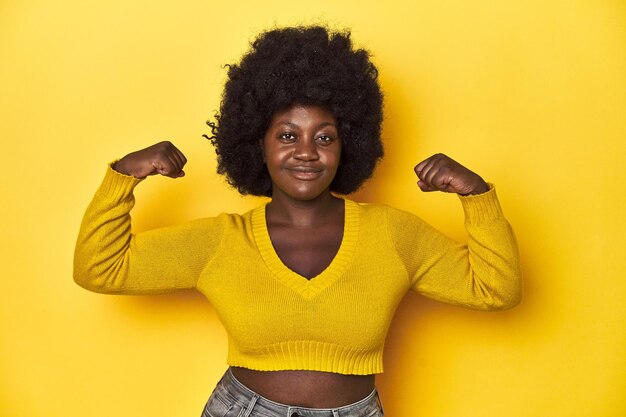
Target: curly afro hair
[[305, 66]]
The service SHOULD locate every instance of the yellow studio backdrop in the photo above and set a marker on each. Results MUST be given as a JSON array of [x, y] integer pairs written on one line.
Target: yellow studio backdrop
[[530, 94]]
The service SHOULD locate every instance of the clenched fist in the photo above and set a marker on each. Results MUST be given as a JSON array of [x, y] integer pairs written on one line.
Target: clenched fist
[[442, 173], [161, 158]]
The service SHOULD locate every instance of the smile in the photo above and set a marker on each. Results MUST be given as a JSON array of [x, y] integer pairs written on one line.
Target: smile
[[304, 173]]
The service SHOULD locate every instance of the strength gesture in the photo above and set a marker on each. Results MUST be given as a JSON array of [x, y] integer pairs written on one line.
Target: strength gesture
[[161, 158], [442, 173]]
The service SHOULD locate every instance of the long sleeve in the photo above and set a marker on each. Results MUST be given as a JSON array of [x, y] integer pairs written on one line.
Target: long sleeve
[[483, 274], [110, 259]]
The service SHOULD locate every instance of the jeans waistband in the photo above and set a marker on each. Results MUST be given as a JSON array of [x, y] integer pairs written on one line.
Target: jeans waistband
[[254, 404]]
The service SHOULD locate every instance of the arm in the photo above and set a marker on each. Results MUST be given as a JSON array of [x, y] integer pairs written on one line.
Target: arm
[[110, 259], [483, 274]]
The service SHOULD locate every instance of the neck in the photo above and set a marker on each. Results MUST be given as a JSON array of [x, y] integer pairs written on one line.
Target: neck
[[299, 213]]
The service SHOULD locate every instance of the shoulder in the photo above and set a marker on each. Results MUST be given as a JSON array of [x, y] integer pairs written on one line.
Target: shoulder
[[378, 220], [230, 220], [377, 212], [224, 221]]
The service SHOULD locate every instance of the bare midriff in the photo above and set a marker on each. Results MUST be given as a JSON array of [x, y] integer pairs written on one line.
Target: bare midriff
[[311, 389]]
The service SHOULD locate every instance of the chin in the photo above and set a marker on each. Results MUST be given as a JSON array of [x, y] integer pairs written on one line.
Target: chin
[[306, 193], [305, 196]]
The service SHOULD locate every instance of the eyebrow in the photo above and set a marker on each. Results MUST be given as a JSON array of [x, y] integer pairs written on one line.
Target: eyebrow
[[295, 126]]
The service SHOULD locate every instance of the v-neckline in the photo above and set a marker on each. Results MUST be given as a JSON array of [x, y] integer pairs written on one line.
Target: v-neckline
[[307, 287]]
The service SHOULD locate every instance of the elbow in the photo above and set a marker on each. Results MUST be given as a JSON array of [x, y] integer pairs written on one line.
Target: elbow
[[82, 274], [509, 302], [507, 296], [88, 277], [89, 282], [500, 291]]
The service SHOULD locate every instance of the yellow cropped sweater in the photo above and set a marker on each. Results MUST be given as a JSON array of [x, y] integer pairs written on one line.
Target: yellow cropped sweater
[[277, 319]]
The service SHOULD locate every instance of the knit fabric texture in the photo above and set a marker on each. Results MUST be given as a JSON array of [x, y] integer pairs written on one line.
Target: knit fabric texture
[[278, 320]]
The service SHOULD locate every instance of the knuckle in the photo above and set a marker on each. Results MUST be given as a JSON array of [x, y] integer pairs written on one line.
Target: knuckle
[[165, 146]]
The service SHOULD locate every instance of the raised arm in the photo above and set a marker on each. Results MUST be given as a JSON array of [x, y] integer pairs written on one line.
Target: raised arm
[[482, 274], [110, 259]]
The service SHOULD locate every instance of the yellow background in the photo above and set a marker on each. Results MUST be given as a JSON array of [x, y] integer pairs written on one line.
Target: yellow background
[[530, 94]]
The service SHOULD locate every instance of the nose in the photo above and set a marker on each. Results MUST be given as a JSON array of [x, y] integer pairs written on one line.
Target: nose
[[305, 150]]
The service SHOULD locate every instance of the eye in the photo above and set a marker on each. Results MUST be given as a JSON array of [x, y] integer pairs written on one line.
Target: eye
[[325, 139], [287, 137]]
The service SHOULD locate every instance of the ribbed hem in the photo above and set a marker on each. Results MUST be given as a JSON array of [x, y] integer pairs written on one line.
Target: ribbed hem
[[308, 355], [117, 186], [483, 207]]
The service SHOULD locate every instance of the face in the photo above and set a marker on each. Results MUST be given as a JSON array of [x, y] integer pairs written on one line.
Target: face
[[302, 149]]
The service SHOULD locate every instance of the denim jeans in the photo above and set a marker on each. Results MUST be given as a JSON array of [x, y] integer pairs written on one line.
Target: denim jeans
[[232, 399]]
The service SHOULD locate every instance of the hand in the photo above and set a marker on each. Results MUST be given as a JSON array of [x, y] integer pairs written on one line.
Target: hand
[[161, 158], [442, 173]]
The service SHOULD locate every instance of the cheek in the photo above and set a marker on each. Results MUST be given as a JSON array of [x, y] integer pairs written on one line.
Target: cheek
[[334, 157], [338, 153]]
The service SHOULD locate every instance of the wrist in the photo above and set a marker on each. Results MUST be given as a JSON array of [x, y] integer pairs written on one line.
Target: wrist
[[481, 188], [121, 167]]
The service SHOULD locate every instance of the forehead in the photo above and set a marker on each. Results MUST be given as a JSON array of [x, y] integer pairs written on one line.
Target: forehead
[[303, 116]]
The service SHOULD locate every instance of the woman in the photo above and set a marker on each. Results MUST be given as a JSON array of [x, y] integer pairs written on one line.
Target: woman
[[307, 284]]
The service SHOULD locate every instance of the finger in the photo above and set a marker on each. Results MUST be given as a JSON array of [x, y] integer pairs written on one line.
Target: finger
[[176, 167], [430, 173], [165, 167], [180, 158], [161, 166], [425, 187], [166, 149], [443, 181], [425, 168], [420, 167]]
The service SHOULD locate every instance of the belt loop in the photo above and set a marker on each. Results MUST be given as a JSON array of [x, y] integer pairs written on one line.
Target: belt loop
[[250, 406], [335, 413]]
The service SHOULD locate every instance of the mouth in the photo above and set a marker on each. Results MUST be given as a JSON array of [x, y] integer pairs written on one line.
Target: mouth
[[304, 173]]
